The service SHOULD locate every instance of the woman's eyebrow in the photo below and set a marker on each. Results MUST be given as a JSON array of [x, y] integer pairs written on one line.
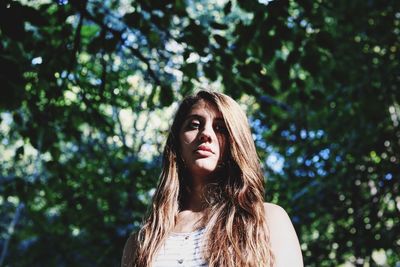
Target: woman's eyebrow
[[193, 116], [197, 116]]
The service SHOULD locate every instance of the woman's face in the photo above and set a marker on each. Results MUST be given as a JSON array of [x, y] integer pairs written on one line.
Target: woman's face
[[202, 138]]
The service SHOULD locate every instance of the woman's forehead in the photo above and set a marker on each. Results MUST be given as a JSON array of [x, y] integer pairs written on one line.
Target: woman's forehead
[[204, 108]]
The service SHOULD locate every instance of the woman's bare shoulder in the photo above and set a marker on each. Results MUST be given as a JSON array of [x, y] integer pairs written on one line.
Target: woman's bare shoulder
[[283, 237], [271, 208], [129, 251]]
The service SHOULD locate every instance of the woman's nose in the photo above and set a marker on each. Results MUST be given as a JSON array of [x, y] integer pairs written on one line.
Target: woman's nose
[[205, 134]]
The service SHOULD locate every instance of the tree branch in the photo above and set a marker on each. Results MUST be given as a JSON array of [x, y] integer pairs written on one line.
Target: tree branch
[[11, 229], [136, 52]]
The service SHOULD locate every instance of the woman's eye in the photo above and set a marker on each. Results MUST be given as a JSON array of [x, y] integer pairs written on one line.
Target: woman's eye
[[221, 128], [194, 125]]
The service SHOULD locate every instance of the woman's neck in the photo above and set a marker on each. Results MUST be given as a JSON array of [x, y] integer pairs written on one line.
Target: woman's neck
[[194, 198]]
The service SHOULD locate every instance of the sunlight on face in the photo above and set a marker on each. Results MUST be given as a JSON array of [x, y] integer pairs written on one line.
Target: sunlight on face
[[202, 139]]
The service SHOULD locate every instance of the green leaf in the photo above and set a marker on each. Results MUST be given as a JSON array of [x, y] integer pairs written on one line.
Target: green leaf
[[133, 20], [19, 153], [89, 31], [228, 7], [190, 70], [166, 95], [218, 26]]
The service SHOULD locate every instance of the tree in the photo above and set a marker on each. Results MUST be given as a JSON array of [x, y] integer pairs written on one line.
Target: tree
[[88, 88]]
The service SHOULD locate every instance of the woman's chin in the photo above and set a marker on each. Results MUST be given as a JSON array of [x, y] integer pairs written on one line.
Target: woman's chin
[[203, 169]]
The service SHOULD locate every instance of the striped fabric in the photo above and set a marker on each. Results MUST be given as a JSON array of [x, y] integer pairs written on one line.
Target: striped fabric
[[182, 250]]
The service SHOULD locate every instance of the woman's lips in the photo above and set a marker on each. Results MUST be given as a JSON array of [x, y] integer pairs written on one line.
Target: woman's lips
[[204, 148], [204, 151]]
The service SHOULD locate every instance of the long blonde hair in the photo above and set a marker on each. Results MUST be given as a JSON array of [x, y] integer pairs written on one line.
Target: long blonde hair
[[235, 218]]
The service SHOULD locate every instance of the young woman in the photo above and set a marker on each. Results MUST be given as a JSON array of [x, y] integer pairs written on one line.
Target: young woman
[[208, 209]]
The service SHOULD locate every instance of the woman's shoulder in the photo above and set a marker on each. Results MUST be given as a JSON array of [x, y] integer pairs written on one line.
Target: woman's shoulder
[[283, 236], [271, 208], [276, 217], [129, 250], [275, 213]]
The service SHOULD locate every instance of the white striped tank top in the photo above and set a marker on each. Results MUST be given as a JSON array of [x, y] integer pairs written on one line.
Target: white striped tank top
[[182, 250]]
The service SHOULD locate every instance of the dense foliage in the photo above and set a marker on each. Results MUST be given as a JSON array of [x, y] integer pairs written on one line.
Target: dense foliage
[[88, 89]]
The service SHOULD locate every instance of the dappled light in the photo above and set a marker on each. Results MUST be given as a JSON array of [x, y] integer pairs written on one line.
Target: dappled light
[[89, 90]]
